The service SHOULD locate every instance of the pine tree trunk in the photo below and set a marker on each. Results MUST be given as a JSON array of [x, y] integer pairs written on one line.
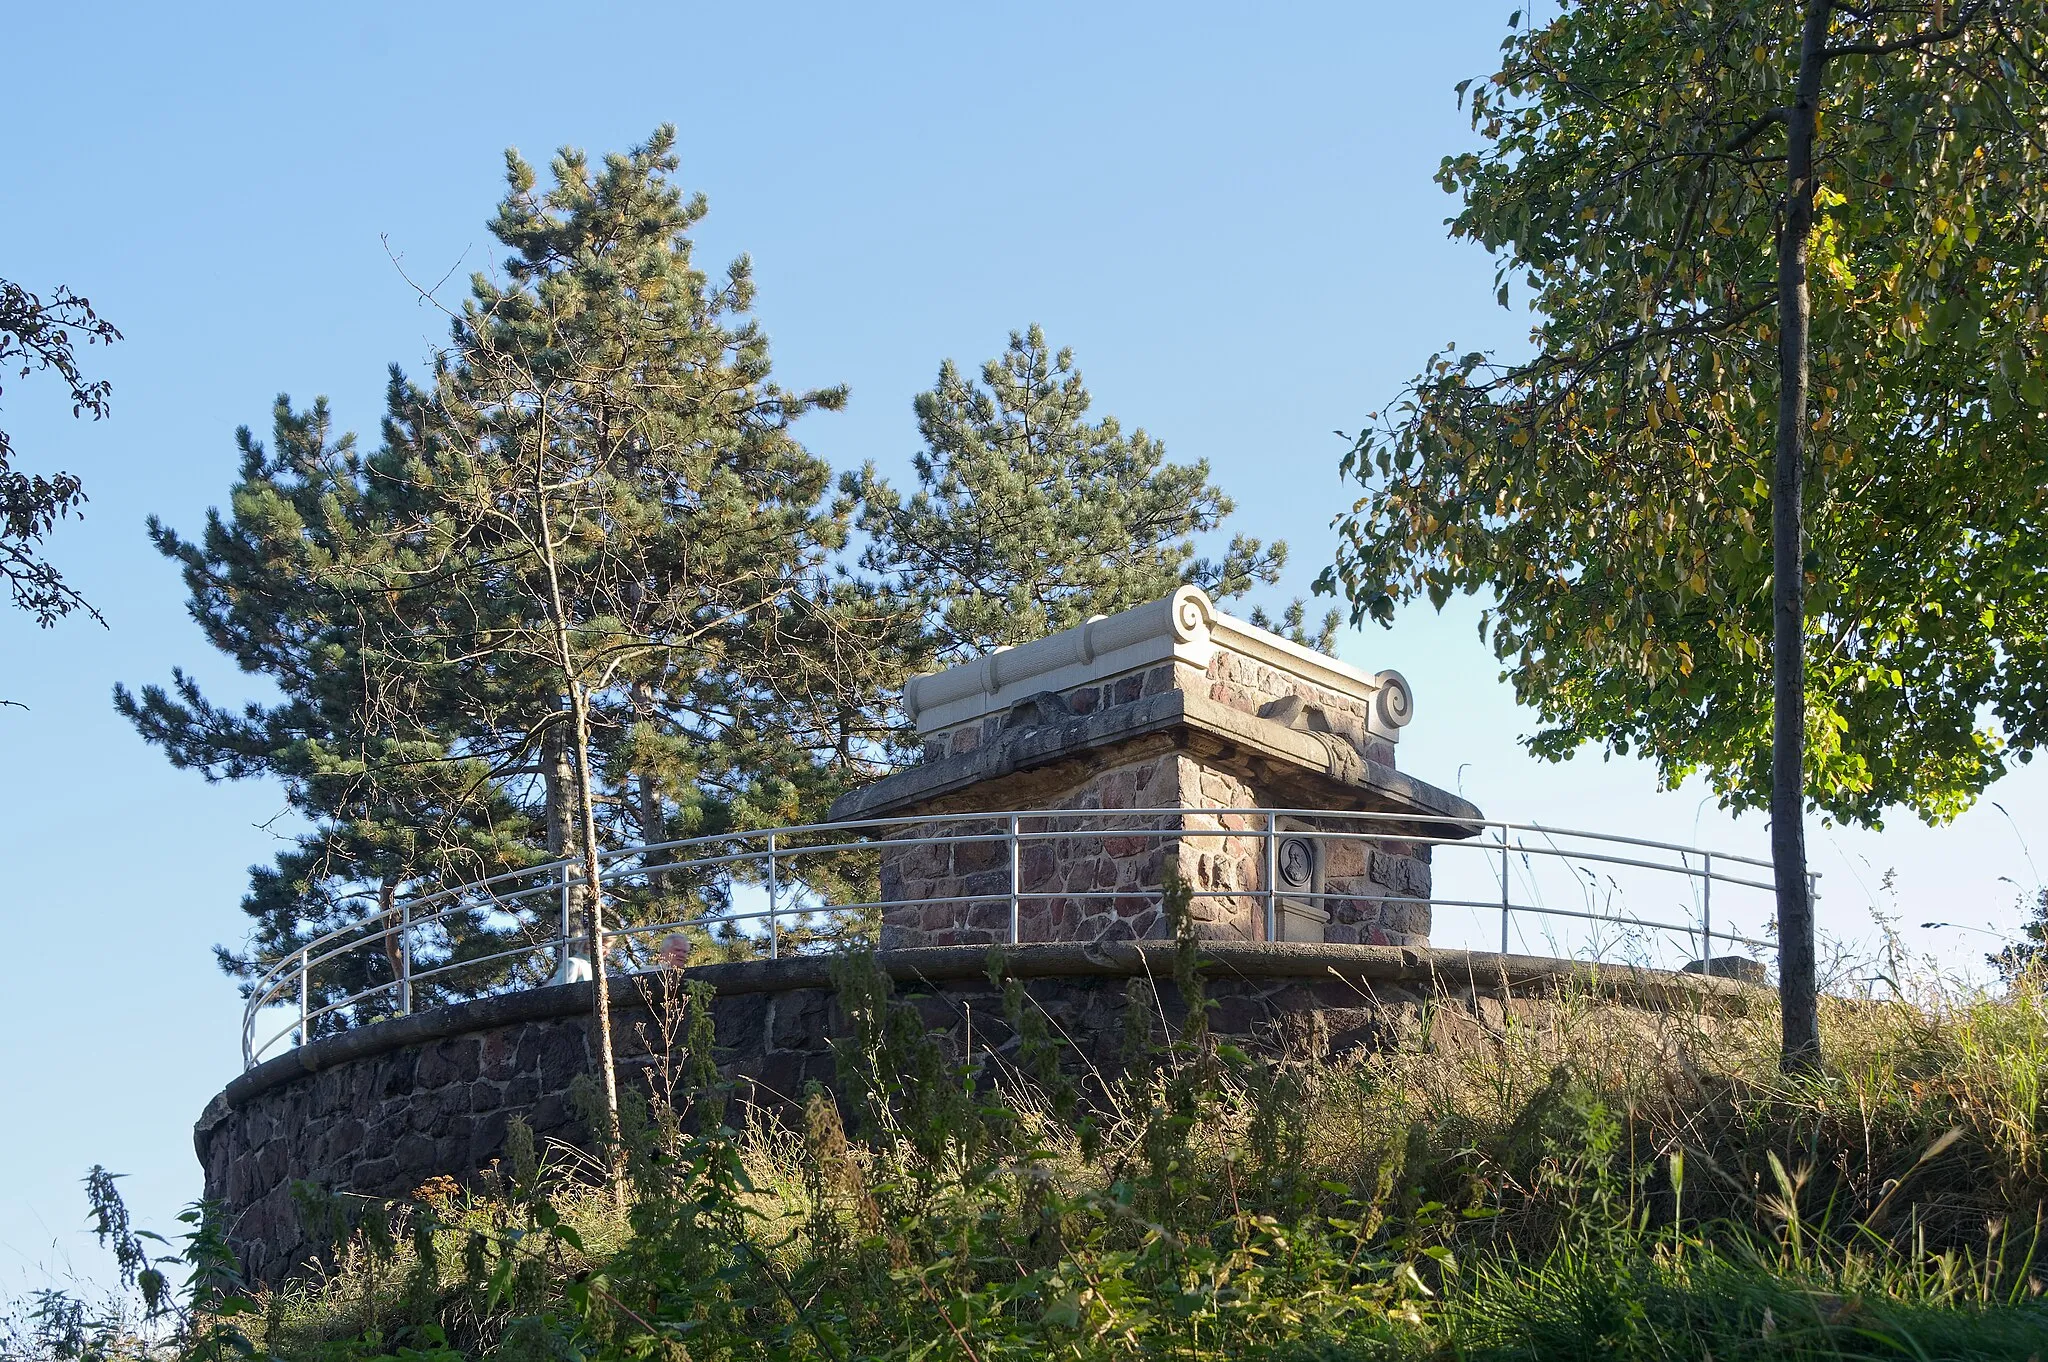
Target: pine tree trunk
[[558, 774], [394, 944], [1797, 986], [651, 815]]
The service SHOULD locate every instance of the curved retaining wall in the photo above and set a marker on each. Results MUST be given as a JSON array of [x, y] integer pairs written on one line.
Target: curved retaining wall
[[379, 1110]]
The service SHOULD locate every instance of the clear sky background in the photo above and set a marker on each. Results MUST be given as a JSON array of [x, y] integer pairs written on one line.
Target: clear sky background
[[1226, 211]]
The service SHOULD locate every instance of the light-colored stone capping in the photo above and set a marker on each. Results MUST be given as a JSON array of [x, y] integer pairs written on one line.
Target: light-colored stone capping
[[1185, 627]]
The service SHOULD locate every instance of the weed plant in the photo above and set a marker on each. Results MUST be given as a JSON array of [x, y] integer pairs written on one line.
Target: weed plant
[[1561, 1178]]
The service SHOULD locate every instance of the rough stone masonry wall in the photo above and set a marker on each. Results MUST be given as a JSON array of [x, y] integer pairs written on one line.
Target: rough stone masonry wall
[[1092, 877], [1099, 877], [383, 1124], [1375, 887], [385, 1108], [1379, 889], [1100, 880]]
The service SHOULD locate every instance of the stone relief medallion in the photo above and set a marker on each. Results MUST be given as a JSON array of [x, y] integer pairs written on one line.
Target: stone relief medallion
[[1297, 857]]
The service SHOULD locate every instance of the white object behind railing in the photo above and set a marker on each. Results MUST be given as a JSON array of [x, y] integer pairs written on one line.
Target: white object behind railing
[[412, 942]]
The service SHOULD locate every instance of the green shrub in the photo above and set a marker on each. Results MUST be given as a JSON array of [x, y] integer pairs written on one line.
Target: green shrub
[[1570, 1179]]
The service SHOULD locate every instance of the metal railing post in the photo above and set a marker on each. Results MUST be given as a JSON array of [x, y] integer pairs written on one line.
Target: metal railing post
[[1272, 876], [305, 1008], [563, 953], [1706, 909], [774, 946], [405, 960], [1504, 899], [1016, 886]]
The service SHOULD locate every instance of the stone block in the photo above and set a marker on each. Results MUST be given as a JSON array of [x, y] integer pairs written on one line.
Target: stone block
[[486, 1141], [783, 1076], [344, 1138], [936, 1011], [414, 1157], [1035, 865], [1738, 967], [981, 854], [988, 884], [398, 1073], [1153, 781], [1402, 874], [1343, 858], [801, 1021], [1234, 1014], [1409, 917], [497, 1056], [521, 1091], [561, 1057], [553, 1115], [452, 1151], [743, 1022], [448, 1061], [375, 1177]]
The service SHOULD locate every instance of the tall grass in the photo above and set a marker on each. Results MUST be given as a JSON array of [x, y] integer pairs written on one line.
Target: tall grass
[[1570, 1179]]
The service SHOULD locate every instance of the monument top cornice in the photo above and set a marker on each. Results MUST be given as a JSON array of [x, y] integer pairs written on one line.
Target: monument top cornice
[[1185, 627]]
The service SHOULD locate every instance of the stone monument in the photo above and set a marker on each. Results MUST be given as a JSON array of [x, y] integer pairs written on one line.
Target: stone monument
[[1180, 714], [1067, 777]]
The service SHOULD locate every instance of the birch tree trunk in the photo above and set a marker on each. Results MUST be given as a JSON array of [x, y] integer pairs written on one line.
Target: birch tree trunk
[[592, 887]]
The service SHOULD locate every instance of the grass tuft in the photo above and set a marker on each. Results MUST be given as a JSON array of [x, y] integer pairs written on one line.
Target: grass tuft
[[1563, 1178]]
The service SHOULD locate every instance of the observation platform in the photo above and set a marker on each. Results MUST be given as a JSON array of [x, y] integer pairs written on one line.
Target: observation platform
[[1067, 787]]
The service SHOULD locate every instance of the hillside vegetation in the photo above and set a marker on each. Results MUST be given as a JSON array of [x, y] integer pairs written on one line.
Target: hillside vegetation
[[1583, 1182]]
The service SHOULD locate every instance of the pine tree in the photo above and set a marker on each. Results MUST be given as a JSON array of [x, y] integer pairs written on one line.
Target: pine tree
[[579, 594], [1029, 518], [385, 776], [619, 506]]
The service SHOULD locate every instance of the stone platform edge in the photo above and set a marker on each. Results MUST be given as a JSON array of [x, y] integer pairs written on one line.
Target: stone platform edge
[[1452, 969]]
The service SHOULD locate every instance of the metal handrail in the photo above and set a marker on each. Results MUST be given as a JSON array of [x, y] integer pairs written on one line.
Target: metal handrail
[[770, 858]]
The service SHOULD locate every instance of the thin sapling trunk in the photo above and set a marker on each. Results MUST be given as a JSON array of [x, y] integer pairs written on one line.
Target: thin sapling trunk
[[593, 896], [1796, 977]]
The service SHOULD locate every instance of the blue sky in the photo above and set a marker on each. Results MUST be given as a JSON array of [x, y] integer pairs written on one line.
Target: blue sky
[[1227, 212]]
